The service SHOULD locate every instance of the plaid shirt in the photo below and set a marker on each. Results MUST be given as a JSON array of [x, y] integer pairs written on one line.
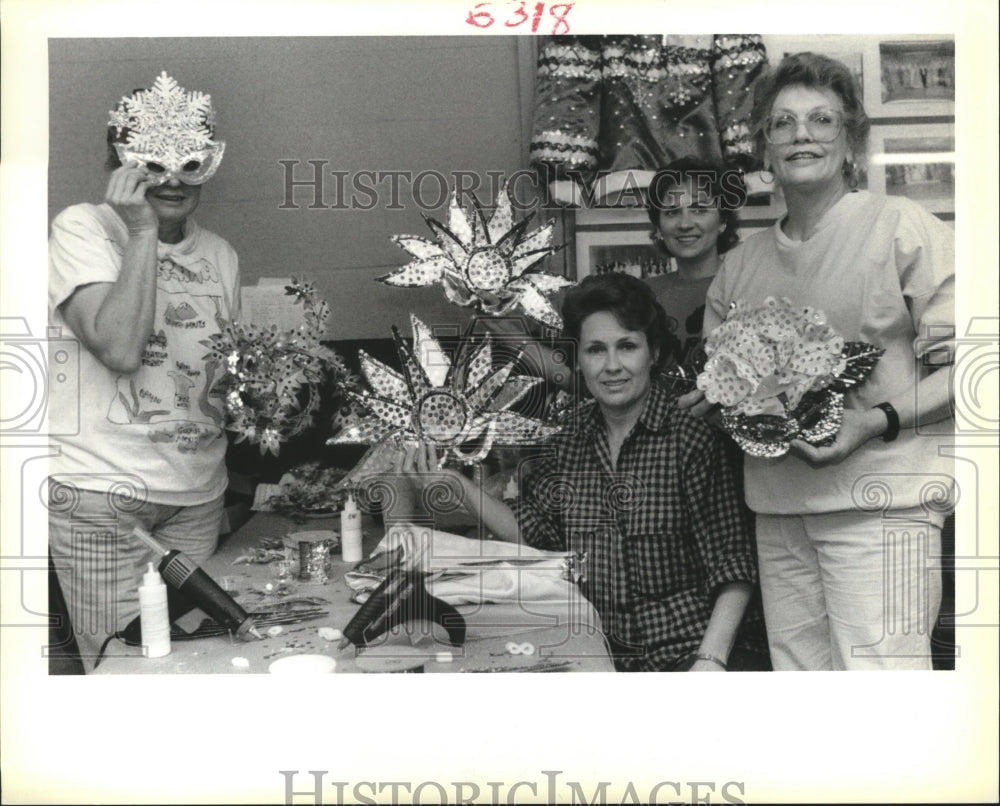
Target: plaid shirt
[[663, 530]]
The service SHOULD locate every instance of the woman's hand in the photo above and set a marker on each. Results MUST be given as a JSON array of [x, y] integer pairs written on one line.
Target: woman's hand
[[418, 462], [695, 403], [440, 488], [126, 194], [856, 429]]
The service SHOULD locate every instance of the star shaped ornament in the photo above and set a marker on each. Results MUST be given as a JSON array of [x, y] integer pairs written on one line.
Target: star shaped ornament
[[460, 408], [489, 264]]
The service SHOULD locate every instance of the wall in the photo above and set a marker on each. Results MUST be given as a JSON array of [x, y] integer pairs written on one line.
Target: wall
[[360, 103], [416, 104]]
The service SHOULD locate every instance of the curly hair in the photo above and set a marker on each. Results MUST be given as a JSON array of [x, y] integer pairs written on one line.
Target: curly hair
[[817, 72], [632, 303], [724, 186]]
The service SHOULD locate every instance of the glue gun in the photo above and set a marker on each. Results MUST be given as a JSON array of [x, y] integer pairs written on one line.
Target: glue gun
[[181, 572], [401, 597]]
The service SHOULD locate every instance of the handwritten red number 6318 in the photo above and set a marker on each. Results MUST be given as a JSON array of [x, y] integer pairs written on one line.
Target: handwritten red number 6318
[[558, 11]]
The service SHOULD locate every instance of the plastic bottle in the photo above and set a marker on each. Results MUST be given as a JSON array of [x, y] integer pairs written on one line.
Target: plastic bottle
[[350, 532], [154, 617]]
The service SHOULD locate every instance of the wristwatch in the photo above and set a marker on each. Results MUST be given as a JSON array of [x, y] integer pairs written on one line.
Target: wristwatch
[[892, 429]]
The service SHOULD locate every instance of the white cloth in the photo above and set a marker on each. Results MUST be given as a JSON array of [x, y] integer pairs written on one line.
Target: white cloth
[[159, 424], [466, 571], [882, 269]]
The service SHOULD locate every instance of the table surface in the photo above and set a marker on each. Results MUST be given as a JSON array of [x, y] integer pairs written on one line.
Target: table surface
[[564, 636]]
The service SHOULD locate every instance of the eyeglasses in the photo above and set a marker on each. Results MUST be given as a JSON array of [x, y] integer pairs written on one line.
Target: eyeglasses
[[823, 126]]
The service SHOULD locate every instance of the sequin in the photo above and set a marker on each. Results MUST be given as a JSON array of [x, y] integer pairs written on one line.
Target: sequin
[[460, 407], [478, 261], [775, 369]]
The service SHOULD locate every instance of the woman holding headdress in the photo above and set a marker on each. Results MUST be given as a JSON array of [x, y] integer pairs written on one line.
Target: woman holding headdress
[[643, 489], [140, 286], [848, 533]]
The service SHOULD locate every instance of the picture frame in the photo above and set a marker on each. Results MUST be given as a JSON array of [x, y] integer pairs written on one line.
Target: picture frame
[[915, 77], [916, 161], [617, 239]]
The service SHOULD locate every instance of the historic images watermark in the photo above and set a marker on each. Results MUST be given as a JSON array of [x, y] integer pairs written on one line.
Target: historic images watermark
[[312, 184], [312, 786]]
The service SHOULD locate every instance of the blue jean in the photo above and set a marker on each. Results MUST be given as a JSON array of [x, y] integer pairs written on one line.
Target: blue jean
[[850, 590], [100, 562]]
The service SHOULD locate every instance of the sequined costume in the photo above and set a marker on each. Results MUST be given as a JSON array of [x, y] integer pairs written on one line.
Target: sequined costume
[[605, 104]]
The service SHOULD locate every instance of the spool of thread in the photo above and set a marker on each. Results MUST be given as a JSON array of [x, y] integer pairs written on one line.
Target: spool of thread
[[314, 560]]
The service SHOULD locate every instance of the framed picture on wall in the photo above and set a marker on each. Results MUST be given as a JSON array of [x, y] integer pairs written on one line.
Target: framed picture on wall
[[630, 251], [617, 239], [915, 161], [916, 77]]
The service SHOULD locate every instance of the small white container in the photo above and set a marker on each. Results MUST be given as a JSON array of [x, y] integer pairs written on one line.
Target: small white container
[[154, 615], [350, 532]]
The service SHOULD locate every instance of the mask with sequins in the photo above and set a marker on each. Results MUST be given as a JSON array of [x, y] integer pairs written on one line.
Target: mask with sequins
[[169, 131]]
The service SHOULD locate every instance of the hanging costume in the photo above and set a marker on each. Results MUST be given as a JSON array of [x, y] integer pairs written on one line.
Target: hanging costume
[[608, 104]]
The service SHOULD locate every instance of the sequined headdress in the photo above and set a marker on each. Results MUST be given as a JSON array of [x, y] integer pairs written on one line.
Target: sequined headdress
[[485, 263], [169, 130], [460, 408]]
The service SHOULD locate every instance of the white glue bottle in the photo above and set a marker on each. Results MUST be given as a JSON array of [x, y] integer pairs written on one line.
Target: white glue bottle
[[350, 532], [154, 617]]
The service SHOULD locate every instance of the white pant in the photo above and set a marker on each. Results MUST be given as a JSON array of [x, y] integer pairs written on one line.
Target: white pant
[[100, 563], [850, 590]]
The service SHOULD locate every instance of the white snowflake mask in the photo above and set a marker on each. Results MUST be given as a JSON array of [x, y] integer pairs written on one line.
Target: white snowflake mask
[[169, 132]]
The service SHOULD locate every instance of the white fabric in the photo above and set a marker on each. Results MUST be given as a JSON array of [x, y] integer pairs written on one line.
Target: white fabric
[[467, 571], [159, 425]]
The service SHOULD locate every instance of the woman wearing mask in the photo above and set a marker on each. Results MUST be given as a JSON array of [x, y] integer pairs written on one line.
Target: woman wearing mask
[[140, 285]]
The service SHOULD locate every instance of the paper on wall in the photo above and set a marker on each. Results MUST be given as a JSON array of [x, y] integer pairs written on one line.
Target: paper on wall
[[266, 303]]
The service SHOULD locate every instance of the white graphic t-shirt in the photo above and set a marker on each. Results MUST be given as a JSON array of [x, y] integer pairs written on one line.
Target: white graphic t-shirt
[[160, 425]]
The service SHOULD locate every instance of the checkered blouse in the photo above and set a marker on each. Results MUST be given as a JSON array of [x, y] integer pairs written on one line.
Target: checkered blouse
[[663, 530]]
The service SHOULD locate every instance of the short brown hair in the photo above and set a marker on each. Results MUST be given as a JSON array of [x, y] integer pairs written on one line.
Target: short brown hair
[[629, 300], [725, 185]]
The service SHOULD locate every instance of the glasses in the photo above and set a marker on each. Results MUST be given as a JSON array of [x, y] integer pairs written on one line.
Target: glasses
[[823, 126]]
